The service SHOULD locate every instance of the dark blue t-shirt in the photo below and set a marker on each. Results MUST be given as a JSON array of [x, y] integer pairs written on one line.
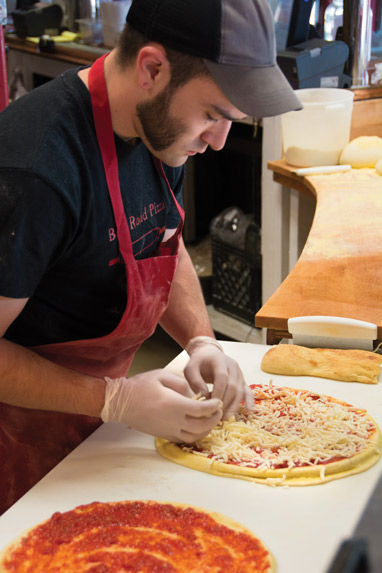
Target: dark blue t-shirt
[[58, 243]]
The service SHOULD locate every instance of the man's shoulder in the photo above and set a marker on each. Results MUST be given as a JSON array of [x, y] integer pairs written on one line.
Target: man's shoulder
[[30, 124]]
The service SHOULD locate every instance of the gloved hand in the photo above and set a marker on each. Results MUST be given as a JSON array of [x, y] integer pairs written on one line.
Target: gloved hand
[[160, 403], [209, 364]]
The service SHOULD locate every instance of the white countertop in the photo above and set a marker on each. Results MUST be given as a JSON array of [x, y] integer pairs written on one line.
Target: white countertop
[[302, 526]]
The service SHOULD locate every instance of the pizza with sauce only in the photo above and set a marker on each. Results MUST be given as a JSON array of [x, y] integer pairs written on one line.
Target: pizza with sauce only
[[293, 437], [140, 537]]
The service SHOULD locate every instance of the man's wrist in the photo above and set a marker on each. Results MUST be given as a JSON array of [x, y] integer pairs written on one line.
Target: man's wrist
[[201, 341]]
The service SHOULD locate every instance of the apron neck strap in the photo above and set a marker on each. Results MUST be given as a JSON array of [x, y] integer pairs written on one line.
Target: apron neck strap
[[105, 135], [160, 170]]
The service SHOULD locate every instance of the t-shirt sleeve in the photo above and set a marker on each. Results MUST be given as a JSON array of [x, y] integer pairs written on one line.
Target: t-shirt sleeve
[[36, 226]]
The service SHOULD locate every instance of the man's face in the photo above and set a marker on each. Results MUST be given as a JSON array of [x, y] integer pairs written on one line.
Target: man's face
[[181, 123]]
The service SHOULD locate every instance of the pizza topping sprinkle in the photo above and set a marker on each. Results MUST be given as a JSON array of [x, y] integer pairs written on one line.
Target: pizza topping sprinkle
[[288, 428]]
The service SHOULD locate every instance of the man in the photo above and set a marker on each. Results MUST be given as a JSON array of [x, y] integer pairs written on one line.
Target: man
[[92, 258]]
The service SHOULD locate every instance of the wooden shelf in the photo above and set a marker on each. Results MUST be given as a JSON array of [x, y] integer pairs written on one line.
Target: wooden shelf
[[339, 272], [70, 52]]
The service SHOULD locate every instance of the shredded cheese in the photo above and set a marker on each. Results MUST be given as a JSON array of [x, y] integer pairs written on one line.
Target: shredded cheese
[[288, 428]]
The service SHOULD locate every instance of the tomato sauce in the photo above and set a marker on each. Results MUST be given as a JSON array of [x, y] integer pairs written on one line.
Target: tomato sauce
[[135, 536]]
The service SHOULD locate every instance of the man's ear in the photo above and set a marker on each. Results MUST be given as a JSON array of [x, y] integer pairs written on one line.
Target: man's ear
[[153, 67]]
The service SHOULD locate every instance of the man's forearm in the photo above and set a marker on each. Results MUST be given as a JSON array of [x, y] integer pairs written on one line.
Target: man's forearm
[[31, 381], [186, 315]]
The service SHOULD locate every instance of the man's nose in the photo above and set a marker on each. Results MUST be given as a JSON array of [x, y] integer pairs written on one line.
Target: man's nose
[[215, 136]]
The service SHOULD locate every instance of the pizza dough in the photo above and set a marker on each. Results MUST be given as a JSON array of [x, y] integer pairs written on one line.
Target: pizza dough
[[334, 363], [293, 437], [142, 536], [363, 151]]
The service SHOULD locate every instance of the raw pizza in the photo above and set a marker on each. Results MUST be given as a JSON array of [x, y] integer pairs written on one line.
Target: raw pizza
[[293, 437], [137, 536]]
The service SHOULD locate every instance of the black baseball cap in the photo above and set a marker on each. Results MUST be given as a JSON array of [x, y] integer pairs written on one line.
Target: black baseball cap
[[236, 40]]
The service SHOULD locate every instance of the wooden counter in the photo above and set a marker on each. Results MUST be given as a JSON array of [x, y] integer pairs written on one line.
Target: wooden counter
[[339, 272], [71, 52], [38, 66]]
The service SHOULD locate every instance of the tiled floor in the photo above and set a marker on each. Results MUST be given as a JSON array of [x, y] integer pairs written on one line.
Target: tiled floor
[[154, 353]]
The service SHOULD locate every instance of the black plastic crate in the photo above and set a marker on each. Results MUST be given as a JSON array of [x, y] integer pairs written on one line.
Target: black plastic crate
[[236, 265]]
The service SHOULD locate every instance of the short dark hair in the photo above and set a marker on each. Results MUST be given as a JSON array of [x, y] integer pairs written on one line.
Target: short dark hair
[[183, 66]]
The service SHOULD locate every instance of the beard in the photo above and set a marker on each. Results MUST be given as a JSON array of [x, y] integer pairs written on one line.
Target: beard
[[160, 129]]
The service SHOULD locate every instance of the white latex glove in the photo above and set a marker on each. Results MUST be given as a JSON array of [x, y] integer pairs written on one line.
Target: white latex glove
[[209, 364], [160, 403]]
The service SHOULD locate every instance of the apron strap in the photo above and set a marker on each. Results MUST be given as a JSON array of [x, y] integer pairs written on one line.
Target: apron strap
[[105, 135], [160, 170]]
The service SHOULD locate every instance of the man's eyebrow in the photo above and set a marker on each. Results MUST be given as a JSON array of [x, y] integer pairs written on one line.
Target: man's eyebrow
[[225, 114]]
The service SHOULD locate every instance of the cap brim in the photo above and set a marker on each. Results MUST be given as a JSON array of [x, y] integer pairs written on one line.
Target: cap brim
[[258, 92]]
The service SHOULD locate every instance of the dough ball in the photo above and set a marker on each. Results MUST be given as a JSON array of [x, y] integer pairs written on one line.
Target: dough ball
[[364, 151]]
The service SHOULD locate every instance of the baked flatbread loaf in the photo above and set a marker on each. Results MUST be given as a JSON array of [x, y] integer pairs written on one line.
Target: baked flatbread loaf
[[363, 151], [334, 363]]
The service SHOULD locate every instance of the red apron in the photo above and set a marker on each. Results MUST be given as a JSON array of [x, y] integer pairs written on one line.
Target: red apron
[[32, 442]]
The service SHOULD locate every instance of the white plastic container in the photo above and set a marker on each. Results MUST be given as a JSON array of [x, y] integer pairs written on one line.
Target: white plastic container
[[113, 16], [90, 30], [317, 134]]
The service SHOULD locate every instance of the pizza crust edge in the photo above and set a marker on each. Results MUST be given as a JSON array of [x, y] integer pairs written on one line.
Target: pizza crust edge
[[220, 518], [296, 476]]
